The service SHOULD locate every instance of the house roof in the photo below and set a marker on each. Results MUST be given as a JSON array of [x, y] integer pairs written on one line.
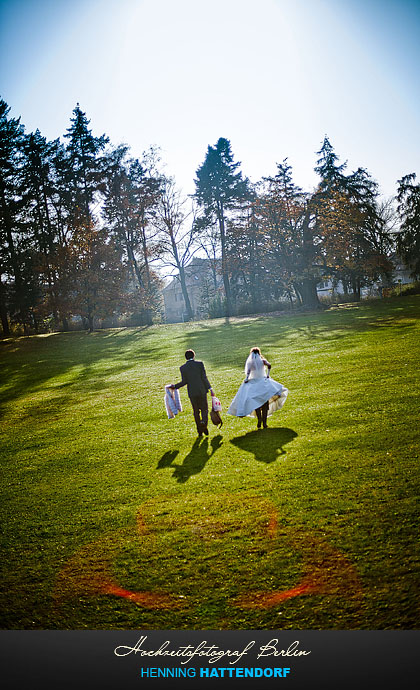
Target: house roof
[[194, 273]]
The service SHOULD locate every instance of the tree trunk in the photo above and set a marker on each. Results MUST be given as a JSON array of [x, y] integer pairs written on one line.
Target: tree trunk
[[85, 184], [148, 311], [214, 274], [135, 266], [182, 280], [308, 285], [12, 253], [225, 273], [3, 313], [259, 278], [145, 255], [309, 293], [254, 277], [185, 294], [3, 309], [35, 321], [298, 294], [356, 287]]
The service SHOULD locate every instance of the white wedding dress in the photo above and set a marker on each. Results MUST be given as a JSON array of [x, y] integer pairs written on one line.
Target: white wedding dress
[[257, 390]]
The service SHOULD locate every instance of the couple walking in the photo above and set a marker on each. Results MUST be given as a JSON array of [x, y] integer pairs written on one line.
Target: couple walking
[[258, 396]]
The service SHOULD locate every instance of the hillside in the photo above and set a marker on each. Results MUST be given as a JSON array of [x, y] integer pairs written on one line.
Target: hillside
[[116, 517]]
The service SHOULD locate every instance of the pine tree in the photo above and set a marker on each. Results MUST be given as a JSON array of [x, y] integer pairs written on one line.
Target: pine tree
[[292, 251], [347, 223], [132, 191], [246, 250], [219, 186], [39, 189], [331, 174], [11, 160], [408, 239], [87, 166]]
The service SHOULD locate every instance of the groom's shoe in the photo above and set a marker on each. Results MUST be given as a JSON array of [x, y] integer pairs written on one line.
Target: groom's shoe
[[206, 431]]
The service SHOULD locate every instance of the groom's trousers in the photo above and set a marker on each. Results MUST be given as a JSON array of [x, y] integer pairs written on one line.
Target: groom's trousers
[[201, 412]]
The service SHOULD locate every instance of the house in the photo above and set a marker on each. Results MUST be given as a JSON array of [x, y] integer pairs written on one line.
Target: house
[[200, 280], [402, 272], [204, 284], [401, 275]]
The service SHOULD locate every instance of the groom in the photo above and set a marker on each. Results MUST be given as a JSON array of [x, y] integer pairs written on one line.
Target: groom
[[194, 377]]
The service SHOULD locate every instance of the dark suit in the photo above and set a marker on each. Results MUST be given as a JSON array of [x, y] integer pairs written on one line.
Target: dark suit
[[194, 377]]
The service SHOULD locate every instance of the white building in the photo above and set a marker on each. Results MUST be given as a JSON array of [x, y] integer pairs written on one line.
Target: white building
[[401, 275]]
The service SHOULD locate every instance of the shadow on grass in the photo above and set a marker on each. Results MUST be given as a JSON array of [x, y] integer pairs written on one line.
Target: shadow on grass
[[232, 338], [265, 444], [30, 364], [77, 362], [194, 462]]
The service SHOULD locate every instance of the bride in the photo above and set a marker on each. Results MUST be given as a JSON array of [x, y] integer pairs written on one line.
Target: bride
[[259, 395]]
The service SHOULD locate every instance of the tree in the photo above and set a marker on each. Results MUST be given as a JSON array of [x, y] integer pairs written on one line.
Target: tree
[[219, 186], [178, 241], [147, 187], [98, 272], [11, 160], [132, 191], [208, 238], [348, 223], [86, 165], [327, 168], [39, 193], [247, 255], [408, 238], [293, 252]]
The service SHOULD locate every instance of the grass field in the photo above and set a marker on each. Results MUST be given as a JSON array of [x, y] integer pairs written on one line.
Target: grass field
[[115, 517]]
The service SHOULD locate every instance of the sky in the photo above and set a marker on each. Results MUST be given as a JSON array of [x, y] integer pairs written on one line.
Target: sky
[[272, 76]]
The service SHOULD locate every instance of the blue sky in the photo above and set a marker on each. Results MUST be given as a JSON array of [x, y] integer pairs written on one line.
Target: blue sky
[[273, 76]]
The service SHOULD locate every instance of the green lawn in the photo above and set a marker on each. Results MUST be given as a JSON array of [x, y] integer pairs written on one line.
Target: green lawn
[[115, 517]]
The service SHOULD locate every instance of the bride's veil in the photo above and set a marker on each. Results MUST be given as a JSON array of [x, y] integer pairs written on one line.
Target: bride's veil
[[254, 363]]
